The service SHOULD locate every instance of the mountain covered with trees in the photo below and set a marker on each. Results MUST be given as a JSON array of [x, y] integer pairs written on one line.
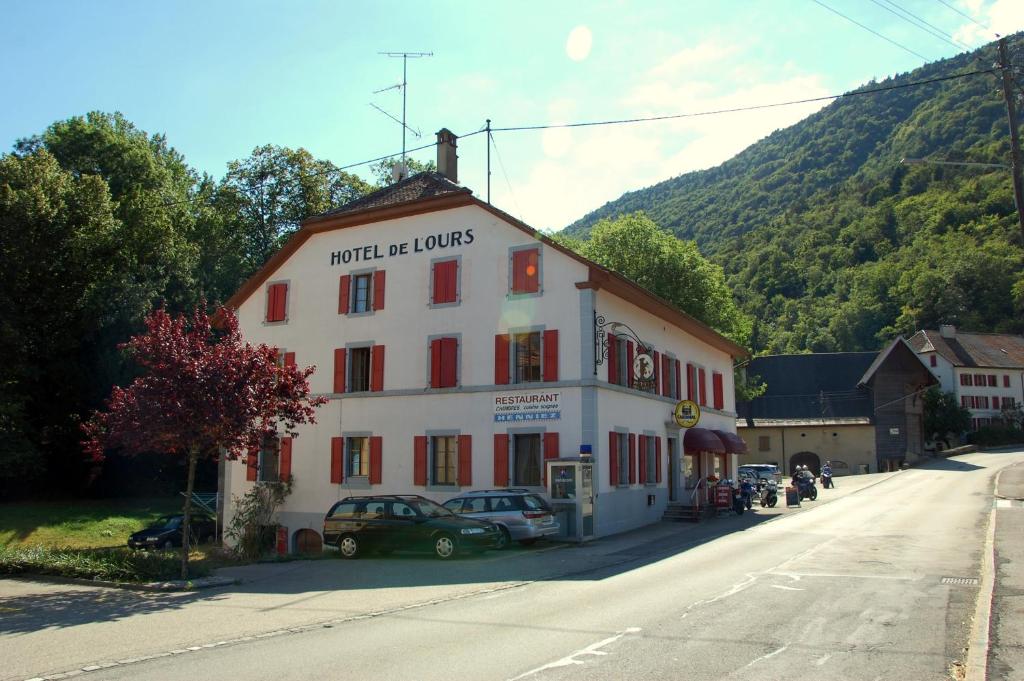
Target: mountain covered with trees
[[830, 243]]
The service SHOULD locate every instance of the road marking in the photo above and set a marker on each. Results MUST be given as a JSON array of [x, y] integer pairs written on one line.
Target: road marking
[[896, 578], [769, 655], [1004, 503], [592, 649], [823, 659], [731, 591], [787, 588]]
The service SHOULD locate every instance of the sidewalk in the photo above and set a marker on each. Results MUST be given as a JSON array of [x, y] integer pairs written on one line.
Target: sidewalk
[[1006, 627]]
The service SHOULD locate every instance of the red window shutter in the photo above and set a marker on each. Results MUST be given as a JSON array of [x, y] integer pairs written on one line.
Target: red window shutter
[[613, 359], [377, 368], [551, 355], [613, 459], [657, 459], [1006, 380], [376, 455], [339, 370], [965, 379], [419, 460], [550, 452], [337, 451], [344, 286], [642, 473], [718, 390], [435, 363], [525, 271], [703, 387], [252, 464], [666, 376], [991, 380], [446, 281], [679, 380], [657, 373], [285, 469], [691, 382], [277, 298], [632, 458], [378, 290], [501, 342], [289, 359], [449, 362], [500, 460], [629, 363], [465, 460]]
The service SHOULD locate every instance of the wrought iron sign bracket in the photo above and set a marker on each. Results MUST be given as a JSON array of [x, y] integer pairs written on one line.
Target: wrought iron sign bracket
[[602, 329]]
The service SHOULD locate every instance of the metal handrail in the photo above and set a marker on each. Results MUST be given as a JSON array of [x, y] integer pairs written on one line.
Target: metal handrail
[[693, 495]]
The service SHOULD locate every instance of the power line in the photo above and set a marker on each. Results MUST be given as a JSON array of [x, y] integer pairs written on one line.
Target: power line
[[968, 17], [753, 107], [871, 30], [501, 164], [918, 22]]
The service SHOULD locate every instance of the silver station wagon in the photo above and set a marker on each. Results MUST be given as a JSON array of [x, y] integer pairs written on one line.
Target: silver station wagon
[[520, 514]]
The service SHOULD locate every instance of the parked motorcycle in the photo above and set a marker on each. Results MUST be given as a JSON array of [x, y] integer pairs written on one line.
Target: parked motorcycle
[[806, 488], [768, 492]]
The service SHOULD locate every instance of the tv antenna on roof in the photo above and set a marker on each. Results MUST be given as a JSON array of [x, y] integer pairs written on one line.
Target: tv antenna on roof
[[403, 86]]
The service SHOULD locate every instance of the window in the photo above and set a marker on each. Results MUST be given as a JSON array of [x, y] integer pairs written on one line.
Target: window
[[764, 443], [277, 302], [526, 357], [358, 458], [965, 379], [933, 360], [526, 460], [1007, 403], [525, 270], [1006, 380], [965, 401], [444, 288], [623, 458], [445, 460], [650, 459], [359, 379], [444, 362], [361, 293], [991, 380], [983, 402], [270, 460]]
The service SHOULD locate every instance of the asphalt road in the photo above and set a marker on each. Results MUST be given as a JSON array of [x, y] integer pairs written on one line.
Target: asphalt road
[[851, 587]]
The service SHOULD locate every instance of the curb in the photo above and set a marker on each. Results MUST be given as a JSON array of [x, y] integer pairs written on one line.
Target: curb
[[165, 587]]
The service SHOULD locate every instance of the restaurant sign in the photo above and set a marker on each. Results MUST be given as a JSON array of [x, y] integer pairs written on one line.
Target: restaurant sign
[[527, 406]]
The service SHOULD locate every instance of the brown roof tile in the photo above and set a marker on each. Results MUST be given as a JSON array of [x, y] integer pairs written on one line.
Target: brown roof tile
[[989, 350], [419, 186]]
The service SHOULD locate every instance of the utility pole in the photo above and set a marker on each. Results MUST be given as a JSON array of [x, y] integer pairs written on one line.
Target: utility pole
[[1011, 114], [488, 161], [405, 61]]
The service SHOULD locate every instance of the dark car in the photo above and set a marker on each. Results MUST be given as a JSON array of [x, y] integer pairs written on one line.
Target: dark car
[[397, 522], [166, 532]]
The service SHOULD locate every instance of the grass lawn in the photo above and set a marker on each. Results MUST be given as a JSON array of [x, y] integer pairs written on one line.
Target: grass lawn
[[35, 537], [76, 523]]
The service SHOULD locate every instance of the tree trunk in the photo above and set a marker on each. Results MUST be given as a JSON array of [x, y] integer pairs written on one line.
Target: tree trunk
[[193, 455]]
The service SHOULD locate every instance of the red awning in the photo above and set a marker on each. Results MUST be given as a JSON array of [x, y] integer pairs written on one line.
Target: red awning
[[734, 444], [702, 440]]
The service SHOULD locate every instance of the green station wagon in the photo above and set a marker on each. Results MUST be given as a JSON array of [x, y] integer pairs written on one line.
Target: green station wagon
[[404, 522]]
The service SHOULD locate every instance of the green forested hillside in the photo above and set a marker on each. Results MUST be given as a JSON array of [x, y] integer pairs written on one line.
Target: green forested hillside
[[831, 244]]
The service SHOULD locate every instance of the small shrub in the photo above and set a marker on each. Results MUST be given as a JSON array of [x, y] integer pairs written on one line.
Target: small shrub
[[252, 527], [115, 564], [992, 436]]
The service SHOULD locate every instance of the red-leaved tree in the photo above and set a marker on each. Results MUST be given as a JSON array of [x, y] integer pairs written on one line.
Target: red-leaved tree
[[203, 393]]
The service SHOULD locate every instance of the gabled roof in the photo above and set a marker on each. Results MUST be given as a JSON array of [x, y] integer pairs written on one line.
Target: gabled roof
[[419, 186], [898, 347], [978, 350], [428, 192], [812, 386]]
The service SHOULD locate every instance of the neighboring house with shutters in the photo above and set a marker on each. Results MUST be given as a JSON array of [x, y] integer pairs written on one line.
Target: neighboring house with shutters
[[862, 411], [460, 349], [984, 370]]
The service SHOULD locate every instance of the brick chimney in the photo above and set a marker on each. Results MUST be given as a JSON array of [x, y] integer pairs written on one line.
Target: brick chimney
[[947, 331], [447, 158]]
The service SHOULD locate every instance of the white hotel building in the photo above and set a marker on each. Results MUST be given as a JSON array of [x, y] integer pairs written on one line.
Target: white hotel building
[[460, 349]]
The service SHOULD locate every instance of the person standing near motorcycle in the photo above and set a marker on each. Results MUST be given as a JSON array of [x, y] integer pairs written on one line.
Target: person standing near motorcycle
[[826, 476]]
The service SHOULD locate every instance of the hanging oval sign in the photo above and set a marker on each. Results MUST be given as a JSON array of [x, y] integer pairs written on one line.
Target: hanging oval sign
[[643, 366], [686, 414]]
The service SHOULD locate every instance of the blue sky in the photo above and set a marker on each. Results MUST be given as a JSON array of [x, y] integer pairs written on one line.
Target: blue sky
[[220, 78]]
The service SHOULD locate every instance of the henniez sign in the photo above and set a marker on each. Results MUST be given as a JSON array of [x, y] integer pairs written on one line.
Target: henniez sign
[[527, 406]]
